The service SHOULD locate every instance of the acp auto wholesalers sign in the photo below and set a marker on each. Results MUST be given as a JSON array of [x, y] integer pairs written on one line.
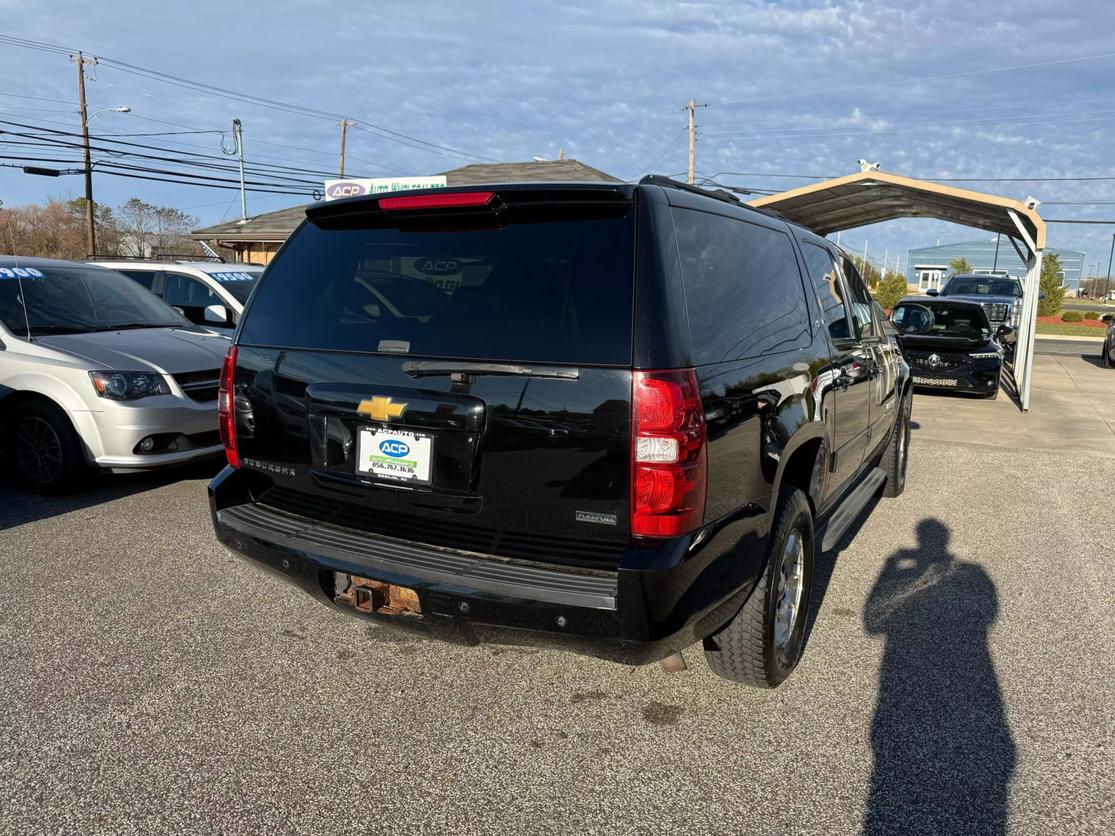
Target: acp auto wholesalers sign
[[335, 189]]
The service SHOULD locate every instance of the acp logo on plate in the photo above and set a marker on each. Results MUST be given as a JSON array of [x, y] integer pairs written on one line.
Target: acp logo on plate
[[394, 448], [345, 188]]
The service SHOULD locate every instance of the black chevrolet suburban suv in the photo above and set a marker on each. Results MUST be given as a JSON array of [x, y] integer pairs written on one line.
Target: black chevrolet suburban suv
[[611, 418]]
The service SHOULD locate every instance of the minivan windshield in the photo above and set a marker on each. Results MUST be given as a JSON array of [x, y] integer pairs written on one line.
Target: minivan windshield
[[76, 300], [558, 290], [983, 286]]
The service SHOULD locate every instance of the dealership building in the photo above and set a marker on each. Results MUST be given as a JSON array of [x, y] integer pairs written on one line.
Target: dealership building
[[929, 265]]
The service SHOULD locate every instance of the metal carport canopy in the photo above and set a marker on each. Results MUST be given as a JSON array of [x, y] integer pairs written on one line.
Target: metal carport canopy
[[869, 197]]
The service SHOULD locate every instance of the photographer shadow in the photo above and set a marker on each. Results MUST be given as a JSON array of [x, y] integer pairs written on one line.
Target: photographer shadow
[[943, 751]]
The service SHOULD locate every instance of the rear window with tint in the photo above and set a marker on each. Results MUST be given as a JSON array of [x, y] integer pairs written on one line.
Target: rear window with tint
[[558, 291], [743, 288]]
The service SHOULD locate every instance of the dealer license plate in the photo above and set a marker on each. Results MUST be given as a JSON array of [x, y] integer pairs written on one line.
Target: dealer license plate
[[934, 381], [395, 456]]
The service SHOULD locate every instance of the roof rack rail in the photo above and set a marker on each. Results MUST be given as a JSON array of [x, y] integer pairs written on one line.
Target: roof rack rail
[[718, 194], [670, 183], [159, 257]]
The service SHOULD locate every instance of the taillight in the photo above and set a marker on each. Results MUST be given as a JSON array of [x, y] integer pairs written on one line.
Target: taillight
[[226, 408], [668, 451], [452, 200]]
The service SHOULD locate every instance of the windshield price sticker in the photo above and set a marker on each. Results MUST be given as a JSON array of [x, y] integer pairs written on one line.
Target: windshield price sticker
[[398, 456], [21, 273], [233, 277]]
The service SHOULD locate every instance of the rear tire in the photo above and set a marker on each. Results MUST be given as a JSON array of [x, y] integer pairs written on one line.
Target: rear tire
[[896, 458], [45, 452], [762, 644]]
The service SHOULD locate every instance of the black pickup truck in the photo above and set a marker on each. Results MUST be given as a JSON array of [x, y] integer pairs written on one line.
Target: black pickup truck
[[612, 418]]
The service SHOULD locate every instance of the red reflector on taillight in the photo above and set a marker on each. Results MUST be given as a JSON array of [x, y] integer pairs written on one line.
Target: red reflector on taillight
[[669, 463], [226, 408], [453, 200]]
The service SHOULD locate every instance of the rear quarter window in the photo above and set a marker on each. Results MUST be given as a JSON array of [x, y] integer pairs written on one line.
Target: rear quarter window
[[743, 288]]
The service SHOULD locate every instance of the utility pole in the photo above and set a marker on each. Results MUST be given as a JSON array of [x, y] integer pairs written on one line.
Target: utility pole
[[90, 228], [995, 263], [864, 270], [692, 139], [886, 257], [692, 108], [344, 123], [239, 134], [1107, 281]]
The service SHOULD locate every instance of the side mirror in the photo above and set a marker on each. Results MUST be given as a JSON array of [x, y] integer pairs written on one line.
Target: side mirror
[[1108, 318], [1041, 294], [932, 292], [217, 314], [1004, 331]]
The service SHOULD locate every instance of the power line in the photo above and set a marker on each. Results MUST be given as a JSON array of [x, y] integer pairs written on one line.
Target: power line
[[277, 175], [1064, 221], [255, 141], [246, 98], [930, 179], [51, 137], [38, 98], [111, 173]]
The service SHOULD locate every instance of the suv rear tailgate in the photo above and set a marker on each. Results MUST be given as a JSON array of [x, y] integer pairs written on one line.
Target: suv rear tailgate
[[462, 381]]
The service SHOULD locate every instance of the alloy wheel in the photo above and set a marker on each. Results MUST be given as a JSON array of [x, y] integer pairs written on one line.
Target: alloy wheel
[[791, 581], [38, 450]]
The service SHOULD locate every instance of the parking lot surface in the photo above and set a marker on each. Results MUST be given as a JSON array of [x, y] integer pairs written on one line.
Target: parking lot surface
[[958, 677]]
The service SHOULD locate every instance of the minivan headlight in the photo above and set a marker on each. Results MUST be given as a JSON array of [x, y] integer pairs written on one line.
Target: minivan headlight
[[128, 386]]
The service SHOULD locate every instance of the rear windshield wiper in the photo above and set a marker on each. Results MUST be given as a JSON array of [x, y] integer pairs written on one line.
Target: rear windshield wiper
[[432, 368]]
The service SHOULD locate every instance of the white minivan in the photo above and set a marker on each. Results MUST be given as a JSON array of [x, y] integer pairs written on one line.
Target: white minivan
[[208, 293], [98, 373]]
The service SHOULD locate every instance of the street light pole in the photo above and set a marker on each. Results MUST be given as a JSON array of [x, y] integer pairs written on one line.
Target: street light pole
[[236, 129]]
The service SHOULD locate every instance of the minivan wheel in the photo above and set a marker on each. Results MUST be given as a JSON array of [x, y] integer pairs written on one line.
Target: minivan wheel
[[44, 448], [896, 458], [762, 644]]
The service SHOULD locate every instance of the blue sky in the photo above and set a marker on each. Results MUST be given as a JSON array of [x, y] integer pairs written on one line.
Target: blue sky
[[792, 87]]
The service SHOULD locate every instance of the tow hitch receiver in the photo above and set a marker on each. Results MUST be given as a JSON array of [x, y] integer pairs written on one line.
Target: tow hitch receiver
[[370, 596]]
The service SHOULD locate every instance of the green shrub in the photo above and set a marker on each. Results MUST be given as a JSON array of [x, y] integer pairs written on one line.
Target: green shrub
[[1091, 315], [888, 291], [1071, 316], [1052, 274]]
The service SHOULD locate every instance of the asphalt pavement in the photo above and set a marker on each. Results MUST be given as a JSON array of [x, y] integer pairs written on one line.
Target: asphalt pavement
[[1069, 348], [1088, 305], [957, 679]]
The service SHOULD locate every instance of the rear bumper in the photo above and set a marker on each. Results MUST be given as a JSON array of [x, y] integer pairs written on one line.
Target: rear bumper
[[627, 616]]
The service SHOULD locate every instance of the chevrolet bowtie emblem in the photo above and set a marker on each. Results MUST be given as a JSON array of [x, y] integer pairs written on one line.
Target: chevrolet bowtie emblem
[[380, 408]]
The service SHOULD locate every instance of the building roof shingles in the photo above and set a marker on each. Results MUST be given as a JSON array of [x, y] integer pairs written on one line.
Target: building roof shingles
[[277, 226]]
